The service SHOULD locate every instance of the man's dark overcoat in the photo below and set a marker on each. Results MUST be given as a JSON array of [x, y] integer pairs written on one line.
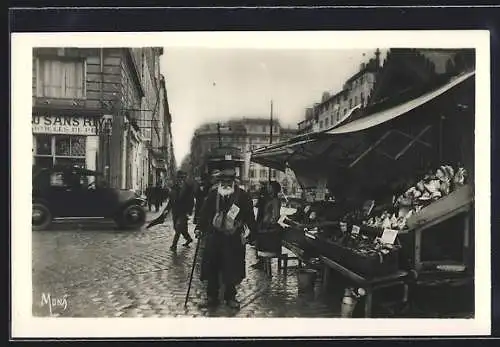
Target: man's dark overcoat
[[226, 252]]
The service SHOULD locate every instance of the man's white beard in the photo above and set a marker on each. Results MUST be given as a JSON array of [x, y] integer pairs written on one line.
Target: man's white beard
[[225, 191]]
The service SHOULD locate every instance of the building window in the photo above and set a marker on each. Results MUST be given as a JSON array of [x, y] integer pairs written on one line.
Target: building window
[[251, 173], [338, 115], [60, 78], [321, 124], [264, 129], [327, 120], [273, 173], [345, 111], [263, 173], [350, 103], [333, 121], [63, 150], [355, 100], [362, 97]]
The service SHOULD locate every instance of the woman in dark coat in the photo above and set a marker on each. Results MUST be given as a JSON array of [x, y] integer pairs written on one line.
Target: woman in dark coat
[[261, 203], [224, 251], [269, 232]]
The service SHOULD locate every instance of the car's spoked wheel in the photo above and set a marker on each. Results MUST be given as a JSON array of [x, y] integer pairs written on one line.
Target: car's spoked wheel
[[133, 217], [40, 217]]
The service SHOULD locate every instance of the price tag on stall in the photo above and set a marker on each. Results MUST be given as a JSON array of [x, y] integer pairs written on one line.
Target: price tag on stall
[[355, 230], [389, 236], [343, 227]]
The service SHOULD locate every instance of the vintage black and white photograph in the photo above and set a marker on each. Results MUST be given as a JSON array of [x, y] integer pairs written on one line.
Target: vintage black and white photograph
[[189, 181]]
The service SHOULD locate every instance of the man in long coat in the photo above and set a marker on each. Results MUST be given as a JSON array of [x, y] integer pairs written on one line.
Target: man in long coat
[[224, 252], [200, 195]]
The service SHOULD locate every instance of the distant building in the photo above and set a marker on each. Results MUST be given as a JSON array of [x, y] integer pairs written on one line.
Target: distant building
[[334, 108], [247, 135]]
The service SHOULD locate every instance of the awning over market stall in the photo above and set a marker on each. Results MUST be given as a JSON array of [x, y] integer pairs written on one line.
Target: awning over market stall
[[394, 112], [347, 138]]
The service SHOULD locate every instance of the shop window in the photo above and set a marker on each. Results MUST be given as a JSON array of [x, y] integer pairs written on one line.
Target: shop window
[[63, 146], [61, 78], [63, 150], [43, 145], [70, 146]]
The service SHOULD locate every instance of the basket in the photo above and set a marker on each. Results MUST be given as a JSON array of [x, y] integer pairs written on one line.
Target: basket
[[370, 265], [364, 265]]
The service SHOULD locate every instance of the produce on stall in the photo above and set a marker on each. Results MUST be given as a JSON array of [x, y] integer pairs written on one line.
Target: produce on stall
[[427, 190], [413, 226]]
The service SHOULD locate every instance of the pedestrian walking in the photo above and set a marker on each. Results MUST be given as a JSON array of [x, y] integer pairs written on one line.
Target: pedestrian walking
[[269, 234], [200, 195], [223, 217], [149, 195], [157, 197], [181, 201]]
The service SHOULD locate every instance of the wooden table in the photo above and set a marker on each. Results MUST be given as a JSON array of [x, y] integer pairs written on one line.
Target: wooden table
[[370, 285]]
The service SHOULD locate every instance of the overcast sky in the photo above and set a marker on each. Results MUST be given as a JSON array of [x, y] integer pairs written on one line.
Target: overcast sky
[[219, 84]]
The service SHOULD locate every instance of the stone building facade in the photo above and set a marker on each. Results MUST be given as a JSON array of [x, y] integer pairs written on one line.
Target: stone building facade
[[335, 108], [97, 108], [247, 134]]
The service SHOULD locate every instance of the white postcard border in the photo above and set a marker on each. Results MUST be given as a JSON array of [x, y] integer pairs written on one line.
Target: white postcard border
[[25, 325]]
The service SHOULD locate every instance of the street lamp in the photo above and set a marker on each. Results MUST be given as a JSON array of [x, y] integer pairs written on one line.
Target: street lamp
[[271, 133]]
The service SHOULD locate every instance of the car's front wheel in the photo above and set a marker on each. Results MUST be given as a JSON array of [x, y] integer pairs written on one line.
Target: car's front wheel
[[131, 217], [41, 218]]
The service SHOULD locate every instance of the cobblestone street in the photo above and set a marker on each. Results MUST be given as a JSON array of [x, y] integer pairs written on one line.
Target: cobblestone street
[[103, 272]]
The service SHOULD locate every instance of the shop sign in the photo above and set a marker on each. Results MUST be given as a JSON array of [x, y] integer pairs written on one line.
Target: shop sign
[[355, 230], [72, 125], [389, 236]]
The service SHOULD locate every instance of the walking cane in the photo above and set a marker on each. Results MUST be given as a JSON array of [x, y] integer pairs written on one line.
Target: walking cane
[[192, 270]]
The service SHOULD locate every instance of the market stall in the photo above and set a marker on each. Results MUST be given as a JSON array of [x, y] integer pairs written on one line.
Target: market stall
[[403, 181]]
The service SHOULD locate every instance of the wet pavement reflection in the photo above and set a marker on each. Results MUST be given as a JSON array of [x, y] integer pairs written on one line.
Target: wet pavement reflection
[[104, 272]]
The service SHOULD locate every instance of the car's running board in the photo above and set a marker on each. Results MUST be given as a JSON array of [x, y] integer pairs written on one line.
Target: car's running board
[[72, 218]]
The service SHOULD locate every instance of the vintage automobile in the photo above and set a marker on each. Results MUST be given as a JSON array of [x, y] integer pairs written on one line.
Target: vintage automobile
[[73, 192]]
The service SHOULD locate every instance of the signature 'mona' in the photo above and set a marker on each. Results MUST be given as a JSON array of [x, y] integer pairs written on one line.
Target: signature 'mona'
[[54, 302]]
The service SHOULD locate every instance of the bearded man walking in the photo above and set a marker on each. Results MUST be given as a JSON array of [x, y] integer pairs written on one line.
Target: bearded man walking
[[225, 213]]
